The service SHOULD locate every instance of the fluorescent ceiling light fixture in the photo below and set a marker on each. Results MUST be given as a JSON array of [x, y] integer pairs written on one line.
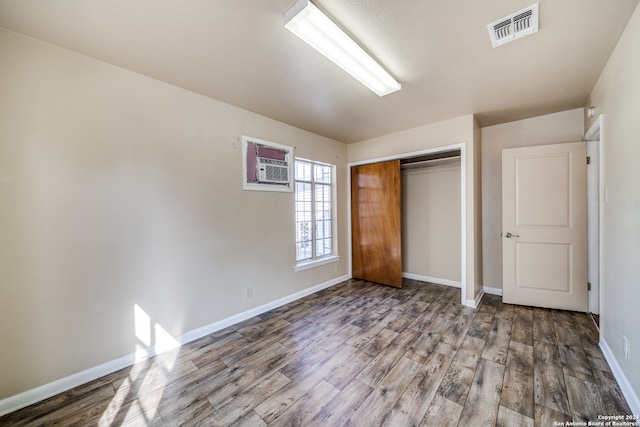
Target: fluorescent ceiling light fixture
[[308, 22]]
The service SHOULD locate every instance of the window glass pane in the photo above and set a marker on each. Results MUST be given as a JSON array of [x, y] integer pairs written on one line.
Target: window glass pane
[[327, 228], [327, 192], [322, 173], [323, 229], [313, 210], [303, 170], [323, 247], [323, 211], [298, 169], [303, 251], [303, 232], [303, 211], [322, 193], [303, 216], [303, 191]]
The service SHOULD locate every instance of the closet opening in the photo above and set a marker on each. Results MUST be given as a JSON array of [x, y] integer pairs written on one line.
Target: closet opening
[[431, 218], [439, 159]]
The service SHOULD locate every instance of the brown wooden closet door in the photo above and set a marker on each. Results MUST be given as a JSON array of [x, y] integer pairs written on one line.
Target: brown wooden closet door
[[376, 234]]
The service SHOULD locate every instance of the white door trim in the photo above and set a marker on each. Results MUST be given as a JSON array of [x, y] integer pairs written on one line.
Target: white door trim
[[595, 210]]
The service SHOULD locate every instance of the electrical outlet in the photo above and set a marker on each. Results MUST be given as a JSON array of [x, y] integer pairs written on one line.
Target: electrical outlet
[[625, 346], [336, 268], [248, 292]]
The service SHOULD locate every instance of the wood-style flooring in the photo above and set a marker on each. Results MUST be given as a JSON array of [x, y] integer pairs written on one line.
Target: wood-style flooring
[[361, 354]]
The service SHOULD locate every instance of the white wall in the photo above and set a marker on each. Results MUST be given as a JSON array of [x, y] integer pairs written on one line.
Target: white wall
[[116, 190], [617, 96], [567, 126], [431, 222]]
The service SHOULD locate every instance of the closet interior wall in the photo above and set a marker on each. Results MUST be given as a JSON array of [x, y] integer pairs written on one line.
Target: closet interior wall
[[431, 219]]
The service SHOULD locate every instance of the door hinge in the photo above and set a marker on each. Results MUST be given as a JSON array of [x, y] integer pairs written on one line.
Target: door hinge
[[588, 160], [588, 286]]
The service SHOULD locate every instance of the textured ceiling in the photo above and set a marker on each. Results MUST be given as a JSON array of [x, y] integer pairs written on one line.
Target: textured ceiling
[[239, 52]]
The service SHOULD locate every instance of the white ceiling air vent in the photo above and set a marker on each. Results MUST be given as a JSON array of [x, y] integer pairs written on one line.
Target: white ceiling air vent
[[514, 26]]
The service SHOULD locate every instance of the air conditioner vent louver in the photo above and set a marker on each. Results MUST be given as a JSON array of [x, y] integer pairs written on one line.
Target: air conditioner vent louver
[[503, 29], [522, 21], [272, 171], [514, 26]]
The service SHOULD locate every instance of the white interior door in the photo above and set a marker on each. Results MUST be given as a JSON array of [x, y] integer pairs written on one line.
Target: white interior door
[[544, 226]]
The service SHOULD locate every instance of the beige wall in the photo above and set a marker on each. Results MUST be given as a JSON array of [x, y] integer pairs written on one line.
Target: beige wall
[[116, 190], [460, 130], [617, 97], [454, 131], [567, 126], [431, 222]]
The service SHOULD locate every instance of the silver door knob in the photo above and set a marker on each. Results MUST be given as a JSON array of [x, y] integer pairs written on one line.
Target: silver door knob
[[509, 235]]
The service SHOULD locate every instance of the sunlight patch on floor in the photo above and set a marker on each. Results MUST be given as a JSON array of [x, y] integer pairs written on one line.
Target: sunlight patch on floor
[[139, 394]]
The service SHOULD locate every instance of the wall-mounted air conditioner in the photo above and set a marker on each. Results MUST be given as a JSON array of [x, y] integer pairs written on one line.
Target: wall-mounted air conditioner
[[266, 166], [272, 171]]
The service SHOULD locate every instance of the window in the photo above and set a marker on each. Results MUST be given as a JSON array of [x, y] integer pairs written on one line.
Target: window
[[314, 209]]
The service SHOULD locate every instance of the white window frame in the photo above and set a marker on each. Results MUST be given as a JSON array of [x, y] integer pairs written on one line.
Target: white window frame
[[315, 260]]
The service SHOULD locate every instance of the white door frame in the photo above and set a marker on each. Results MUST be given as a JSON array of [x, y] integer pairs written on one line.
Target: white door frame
[[595, 193], [547, 266], [463, 206]]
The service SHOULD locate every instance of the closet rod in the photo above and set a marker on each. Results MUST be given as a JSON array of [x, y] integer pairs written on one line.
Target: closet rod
[[431, 163]]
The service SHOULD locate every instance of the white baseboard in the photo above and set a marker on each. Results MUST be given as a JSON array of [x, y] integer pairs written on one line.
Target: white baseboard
[[48, 390], [474, 303], [240, 317], [493, 291], [625, 386], [446, 282], [45, 391], [430, 279]]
